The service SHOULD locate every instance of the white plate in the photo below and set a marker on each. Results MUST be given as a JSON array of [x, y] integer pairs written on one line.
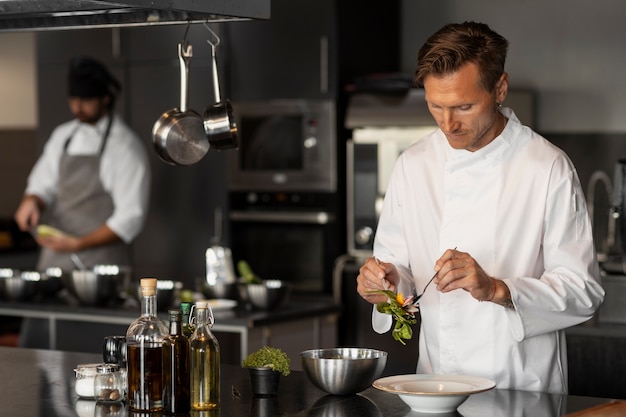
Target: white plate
[[218, 304], [429, 393]]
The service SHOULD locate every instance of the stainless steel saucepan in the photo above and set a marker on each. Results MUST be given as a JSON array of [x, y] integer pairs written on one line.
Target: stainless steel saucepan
[[178, 136], [219, 123]]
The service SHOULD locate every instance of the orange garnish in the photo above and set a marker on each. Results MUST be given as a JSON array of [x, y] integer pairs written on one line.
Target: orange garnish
[[400, 298]]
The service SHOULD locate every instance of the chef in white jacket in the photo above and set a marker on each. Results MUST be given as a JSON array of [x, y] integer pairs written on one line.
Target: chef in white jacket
[[510, 202]]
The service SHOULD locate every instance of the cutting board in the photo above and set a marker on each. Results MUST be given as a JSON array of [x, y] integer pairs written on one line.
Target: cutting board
[[612, 409]]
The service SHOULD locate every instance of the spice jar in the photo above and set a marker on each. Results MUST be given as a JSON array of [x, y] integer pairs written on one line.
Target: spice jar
[[85, 379], [108, 383]]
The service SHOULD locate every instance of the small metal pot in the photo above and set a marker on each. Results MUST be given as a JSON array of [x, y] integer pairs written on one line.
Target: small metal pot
[[219, 123], [178, 136]]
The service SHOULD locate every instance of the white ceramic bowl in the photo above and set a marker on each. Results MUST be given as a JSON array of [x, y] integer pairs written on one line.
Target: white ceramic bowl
[[429, 393]]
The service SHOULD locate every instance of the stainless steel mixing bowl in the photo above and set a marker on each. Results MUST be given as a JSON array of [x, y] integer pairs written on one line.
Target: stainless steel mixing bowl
[[343, 371], [99, 286], [19, 285], [219, 290], [265, 296]]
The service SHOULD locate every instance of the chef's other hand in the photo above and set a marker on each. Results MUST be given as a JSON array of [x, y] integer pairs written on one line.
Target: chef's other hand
[[376, 275], [28, 213], [458, 270], [60, 243]]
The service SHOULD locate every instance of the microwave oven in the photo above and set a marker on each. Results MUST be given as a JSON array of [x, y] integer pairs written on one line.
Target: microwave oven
[[284, 145], [370, 156]]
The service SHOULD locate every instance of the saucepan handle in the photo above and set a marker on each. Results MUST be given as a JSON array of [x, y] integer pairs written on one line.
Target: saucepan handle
[[185, 52], [214, 43]]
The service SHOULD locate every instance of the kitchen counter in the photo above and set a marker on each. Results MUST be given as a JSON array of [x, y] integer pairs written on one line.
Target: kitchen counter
[[42, 385], [302, 322], [596, 360]]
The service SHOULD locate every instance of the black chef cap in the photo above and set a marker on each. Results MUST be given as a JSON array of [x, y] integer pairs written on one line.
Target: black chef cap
[[89, 78]]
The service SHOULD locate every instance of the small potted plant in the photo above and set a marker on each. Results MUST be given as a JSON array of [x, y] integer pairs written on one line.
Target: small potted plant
[[265, 367]]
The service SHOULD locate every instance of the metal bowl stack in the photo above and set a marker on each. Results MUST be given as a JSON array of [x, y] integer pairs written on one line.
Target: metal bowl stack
[[19, 286], [99, 286], [267, 295], [343, 371], [218, 290], [168, 292]]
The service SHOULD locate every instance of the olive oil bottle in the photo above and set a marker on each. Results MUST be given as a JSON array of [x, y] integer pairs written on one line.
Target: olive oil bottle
[[176, 367], [204, 362], [144, 339]]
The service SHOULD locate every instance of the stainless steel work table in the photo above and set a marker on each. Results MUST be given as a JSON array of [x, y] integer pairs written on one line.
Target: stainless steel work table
[[315, 317]]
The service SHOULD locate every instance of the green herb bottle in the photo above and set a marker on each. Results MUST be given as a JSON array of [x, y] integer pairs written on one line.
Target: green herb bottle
[[188, 327], [204, 362]]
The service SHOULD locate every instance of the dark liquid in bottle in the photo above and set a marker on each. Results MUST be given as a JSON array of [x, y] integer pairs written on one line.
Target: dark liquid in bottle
[[145, 377], [176, 375]]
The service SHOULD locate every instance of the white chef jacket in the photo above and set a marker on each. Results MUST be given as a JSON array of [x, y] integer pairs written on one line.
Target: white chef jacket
[[517, 207], [124, 170]]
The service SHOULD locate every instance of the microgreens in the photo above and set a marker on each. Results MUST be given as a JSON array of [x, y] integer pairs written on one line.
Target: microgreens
[[403, 311]]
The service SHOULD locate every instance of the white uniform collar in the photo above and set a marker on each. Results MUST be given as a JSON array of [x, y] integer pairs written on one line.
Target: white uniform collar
[[497, 146], [98, 129]]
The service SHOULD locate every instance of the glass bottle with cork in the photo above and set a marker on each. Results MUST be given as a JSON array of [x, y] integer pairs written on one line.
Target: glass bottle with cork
[[176, 367], [204, 361], [144, 340]]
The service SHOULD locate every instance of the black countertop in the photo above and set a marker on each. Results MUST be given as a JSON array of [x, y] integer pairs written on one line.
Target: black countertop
[[40, 383]]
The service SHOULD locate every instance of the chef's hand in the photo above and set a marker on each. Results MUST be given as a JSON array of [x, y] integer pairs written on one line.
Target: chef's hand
[[103, 235], [60, 243], [458, 270], [28, 212], [376, 275]]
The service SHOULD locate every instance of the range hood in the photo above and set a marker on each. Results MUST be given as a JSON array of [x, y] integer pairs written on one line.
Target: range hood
[[407, 108], [36, 15], [399, 108]]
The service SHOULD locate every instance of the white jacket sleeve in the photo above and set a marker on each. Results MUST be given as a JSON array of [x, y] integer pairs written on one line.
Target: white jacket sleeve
[[569, 290]]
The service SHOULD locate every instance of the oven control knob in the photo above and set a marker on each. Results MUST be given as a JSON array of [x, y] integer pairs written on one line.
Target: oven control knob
[[364, 235], [252, 198]]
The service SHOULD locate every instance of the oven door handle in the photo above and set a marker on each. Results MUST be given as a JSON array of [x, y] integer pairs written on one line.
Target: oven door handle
[[309, 217]]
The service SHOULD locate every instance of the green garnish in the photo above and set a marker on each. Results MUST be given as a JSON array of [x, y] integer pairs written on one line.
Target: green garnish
[[403, 312]]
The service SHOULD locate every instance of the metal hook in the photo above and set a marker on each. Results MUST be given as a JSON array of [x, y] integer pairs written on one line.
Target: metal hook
[[217, 38], [184, 48], [186, 32]]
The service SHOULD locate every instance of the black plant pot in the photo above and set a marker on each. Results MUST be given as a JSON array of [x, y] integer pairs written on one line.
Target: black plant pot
[[264, 381]]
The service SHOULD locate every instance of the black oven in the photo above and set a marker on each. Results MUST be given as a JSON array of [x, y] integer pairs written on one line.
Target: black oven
[[284, 145], [291, 236], [370, 156]]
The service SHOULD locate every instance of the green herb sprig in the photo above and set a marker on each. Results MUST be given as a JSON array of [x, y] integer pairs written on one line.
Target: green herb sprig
[[403, 312]]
